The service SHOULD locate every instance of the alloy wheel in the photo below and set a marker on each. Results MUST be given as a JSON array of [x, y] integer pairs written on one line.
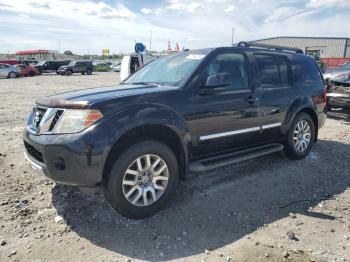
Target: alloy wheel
[[302, 136], [145, 180]]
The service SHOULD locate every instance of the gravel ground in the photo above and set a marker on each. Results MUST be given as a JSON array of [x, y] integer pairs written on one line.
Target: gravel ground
[[268, 209]]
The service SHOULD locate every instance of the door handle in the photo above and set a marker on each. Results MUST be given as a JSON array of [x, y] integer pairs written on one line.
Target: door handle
[[252, 99]]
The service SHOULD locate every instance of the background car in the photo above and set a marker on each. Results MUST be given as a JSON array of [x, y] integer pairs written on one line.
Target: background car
[[102, 67], [116, 67], [83, 67], [50, 66], [9, 71], [27, 70], [338, 74]]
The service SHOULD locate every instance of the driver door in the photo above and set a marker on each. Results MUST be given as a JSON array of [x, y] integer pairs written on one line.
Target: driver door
[[226, 117]]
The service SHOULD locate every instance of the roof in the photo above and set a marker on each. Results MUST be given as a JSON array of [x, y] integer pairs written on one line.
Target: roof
[[303, 37], [32, 52]]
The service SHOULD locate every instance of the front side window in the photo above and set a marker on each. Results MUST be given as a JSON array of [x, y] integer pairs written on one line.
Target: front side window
[[169, 70], [232, 63]]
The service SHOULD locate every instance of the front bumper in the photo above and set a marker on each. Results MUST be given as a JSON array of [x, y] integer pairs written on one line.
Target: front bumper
[[73, 159], [35, 165]]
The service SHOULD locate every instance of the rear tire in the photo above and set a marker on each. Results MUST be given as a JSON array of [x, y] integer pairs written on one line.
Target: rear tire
[[301, 137], [143, 180]]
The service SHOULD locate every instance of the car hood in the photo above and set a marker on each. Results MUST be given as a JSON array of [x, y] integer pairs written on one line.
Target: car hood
[[336, 73], [340, 75], [84, 98]]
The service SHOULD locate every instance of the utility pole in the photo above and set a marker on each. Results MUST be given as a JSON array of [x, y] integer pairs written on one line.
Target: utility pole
[[233, 33], [150, 41]]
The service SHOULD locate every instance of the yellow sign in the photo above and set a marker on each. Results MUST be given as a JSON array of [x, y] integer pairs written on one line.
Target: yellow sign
[[105, 52]]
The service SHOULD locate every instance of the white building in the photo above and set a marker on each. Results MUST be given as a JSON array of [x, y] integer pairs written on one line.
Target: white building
[[319, 47]]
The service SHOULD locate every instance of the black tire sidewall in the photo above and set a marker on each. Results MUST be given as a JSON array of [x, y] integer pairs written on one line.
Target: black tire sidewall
[[290, 148], [89, 71], [12, 75], [113, 188]]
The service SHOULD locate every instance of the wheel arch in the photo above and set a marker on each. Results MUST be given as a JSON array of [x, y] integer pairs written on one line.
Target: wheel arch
[[157, 132], [309, 111]]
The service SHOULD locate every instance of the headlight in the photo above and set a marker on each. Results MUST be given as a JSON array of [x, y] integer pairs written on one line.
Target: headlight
[[75, 121]]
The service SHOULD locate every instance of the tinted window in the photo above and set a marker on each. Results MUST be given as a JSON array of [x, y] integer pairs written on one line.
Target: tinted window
[[306, 71], [268, 70], [283, 70], [231, 63]]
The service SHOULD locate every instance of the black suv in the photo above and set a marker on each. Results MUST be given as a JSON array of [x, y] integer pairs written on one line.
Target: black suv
[[194, 110], [50, 66], [83, 67]]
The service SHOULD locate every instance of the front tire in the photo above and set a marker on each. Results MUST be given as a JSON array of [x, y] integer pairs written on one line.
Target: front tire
[[12, 75], [68, 73], [142, 180], [89, 72], [301, 137]]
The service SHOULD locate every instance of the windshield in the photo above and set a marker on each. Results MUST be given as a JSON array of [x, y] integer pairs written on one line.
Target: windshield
[[347, 64], [169, 70], [41, 63], [71, 63]]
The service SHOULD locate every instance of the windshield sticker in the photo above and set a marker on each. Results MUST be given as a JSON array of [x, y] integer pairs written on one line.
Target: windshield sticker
[[195, 57]]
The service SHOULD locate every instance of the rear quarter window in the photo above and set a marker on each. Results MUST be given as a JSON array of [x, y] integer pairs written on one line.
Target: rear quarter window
[[306, 72]]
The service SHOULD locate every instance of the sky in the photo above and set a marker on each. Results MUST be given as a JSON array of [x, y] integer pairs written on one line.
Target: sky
[[88, 26]]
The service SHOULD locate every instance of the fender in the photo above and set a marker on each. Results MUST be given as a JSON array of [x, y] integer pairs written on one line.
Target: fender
[[298, 104], [146, 114]]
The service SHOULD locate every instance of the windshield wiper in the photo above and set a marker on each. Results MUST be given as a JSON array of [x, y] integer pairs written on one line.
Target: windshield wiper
[[143, 83]]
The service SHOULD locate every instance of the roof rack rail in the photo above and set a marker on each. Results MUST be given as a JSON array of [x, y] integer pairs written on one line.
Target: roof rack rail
[[267, 46]]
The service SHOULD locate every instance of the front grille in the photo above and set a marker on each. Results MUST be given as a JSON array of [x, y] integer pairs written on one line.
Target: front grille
[[38, 114], [55, 119], [33, 152]]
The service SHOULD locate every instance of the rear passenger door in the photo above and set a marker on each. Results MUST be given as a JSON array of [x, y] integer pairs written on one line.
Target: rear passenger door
[[276, 92]]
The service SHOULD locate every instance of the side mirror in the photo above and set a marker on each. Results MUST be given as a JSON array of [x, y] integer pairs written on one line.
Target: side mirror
[[218, 80]]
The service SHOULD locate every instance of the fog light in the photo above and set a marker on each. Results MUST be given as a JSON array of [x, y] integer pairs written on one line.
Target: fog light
[[60, 164]]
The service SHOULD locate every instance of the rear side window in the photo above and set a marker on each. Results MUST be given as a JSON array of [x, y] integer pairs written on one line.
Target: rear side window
[[283, 68], [306, 72], [273, 70]]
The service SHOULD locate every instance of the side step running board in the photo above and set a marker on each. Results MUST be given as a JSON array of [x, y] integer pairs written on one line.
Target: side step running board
[[233, 158]]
